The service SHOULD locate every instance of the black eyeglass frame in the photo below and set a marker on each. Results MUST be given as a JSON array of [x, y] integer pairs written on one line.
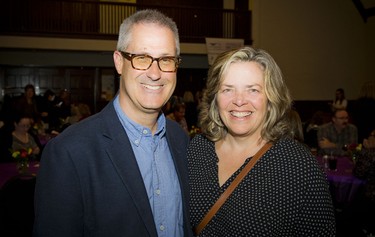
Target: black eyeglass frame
[[130, 56]]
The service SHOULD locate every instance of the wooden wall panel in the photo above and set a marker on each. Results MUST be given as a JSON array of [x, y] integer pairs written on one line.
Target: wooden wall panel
[[15, 79], [82, 86], [81, 82], [50, 78]]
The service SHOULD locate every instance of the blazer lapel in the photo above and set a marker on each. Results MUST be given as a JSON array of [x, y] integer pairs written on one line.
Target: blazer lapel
[[178, 148], [121, 154]]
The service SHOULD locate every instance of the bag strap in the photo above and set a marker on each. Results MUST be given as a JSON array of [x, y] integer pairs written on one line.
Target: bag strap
[[224, 196]]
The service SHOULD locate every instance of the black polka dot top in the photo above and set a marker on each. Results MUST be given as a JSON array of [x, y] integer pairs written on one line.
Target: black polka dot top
[[285, 194]]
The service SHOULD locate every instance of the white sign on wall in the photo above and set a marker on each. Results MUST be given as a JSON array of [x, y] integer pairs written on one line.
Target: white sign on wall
[[216, 46]]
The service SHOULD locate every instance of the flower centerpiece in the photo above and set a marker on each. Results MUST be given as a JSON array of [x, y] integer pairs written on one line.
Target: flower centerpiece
[[38, 128], [194, 131], [22, 158], [353, 151]]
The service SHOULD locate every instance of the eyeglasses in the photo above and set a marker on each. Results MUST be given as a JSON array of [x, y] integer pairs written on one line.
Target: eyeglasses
[[144, 61], [24, 125], [342, 118]]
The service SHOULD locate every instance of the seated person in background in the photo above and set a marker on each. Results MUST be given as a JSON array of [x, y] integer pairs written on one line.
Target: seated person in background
[[297, 130], [365, 169], [369, 143], [21, 138], [363, 110], [191, 113], [178, 115], [46, 104], [311, 129], [168, 107], [333, 136], [62, 105], [78, 112]]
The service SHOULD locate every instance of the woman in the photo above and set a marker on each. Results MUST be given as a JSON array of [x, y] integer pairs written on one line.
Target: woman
[[246, 105], [22, 140], [340, 101]]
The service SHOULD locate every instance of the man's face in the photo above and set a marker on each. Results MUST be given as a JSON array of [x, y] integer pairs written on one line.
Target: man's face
[[341, 119], [146, 91]]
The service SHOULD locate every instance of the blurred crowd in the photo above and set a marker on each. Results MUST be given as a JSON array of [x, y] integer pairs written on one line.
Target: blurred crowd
[[28, 121]]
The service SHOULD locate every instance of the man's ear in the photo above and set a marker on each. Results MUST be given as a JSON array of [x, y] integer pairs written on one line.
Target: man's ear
[[119, 61]]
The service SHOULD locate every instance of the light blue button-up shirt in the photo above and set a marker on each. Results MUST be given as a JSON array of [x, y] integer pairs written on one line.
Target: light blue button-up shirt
[[158, 172]]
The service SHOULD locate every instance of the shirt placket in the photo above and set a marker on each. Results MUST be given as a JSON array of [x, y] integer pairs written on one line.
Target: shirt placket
[[158, 190]]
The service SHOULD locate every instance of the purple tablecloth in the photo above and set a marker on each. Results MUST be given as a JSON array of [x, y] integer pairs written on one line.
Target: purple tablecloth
[[9, 170], [344, 186]]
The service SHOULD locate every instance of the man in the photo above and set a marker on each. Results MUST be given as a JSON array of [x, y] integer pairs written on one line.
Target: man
[[333, 136], [123, 171]]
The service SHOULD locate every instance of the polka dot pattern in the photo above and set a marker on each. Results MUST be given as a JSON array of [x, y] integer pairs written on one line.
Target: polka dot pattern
[[285, 194]]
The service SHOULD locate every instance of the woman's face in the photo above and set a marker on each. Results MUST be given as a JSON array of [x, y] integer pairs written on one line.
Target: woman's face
[[29, 93], [241, 99], [338, 94], [23, 125]]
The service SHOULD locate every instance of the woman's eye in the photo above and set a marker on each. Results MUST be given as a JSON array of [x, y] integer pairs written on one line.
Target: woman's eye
[[252, 90]]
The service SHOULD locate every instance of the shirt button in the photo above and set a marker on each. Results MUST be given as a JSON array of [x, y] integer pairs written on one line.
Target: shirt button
[[162, 227], [145, 131], [157, 191], [136, 141]]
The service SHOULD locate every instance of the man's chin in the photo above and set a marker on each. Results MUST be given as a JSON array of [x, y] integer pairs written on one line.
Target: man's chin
[[152, 109]]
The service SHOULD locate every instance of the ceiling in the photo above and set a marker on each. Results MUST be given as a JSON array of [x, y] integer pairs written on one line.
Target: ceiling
[[366, 8]]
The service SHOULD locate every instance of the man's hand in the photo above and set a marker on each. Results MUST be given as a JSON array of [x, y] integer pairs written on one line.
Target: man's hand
[[325, 143]]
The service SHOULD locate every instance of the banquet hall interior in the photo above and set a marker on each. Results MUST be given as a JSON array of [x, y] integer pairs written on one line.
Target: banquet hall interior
[[65, 47]]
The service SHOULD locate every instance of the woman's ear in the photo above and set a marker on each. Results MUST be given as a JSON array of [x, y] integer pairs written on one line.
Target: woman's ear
[[119, 61]]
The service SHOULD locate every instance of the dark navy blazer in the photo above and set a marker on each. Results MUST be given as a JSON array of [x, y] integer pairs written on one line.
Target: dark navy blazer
[[89, 183]]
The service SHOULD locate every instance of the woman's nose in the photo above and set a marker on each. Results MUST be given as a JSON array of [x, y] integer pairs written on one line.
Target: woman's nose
[[239, 99]]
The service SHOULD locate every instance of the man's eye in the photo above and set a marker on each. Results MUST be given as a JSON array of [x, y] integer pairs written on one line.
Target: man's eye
[[166, 60], [142, 58]]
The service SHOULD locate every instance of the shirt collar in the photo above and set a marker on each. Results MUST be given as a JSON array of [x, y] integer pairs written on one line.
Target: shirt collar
[[136, 131]]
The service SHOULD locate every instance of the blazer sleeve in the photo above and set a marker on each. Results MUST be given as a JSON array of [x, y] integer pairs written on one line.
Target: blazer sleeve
[[58, 200]]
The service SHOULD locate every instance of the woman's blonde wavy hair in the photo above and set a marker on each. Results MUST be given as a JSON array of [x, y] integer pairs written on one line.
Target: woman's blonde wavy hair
[[276, 123]]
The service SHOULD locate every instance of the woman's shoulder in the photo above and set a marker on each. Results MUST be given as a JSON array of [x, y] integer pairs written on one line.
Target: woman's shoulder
[[199, 142], [200, 139], [292, 149], [201, 151], [294, 158]]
